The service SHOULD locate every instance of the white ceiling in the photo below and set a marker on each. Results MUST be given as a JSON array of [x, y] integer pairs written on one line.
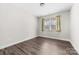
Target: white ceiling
[[48, 8]]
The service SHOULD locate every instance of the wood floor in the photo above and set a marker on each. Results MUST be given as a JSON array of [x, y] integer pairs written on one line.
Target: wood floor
[[40, 46]]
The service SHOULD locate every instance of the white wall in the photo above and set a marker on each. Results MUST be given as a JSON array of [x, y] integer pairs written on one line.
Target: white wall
[[16, 24], [75, 26], [65, 27]]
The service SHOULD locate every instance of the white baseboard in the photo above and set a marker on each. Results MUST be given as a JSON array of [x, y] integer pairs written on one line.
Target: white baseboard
[[8, 45], [75, 47], [56, 38], [2, 47]]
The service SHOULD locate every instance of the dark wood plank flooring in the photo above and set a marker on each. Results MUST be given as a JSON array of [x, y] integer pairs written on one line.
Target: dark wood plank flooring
[[40, 46]]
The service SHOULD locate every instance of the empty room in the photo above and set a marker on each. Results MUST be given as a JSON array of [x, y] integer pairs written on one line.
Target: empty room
[[39, 29]]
